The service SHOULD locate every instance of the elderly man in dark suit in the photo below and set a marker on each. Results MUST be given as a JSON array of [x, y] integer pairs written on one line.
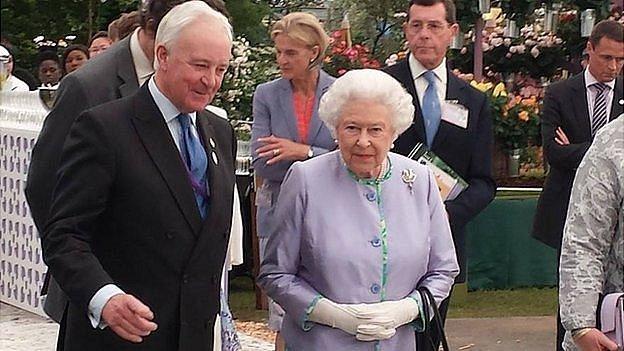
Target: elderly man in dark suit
[[141, 211], [117, 73], [574, 110], [451, 118]]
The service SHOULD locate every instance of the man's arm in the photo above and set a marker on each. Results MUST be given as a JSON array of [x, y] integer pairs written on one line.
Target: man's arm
[[559, 155], [86, 174], [482, 188], [71, 100]]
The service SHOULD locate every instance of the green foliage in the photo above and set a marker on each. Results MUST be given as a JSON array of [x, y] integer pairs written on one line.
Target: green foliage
[[247, 19]]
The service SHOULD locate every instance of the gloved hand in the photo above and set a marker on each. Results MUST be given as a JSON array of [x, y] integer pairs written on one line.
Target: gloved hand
[[372, 332], [400, 312], [346, 317]]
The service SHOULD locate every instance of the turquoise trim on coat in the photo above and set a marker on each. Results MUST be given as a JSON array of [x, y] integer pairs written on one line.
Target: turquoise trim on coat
[[306, 324]]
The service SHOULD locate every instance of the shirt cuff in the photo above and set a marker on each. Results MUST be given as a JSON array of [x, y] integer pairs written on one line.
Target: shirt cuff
[[419, 324], [306, 324], [97, 303]]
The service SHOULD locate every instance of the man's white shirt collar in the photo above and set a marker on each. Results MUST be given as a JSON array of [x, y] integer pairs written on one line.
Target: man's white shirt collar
[[142, 65], [166, 107], [590, 80], [418, 69]]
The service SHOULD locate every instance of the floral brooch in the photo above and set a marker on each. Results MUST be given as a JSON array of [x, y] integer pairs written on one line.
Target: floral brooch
[[408, 176]]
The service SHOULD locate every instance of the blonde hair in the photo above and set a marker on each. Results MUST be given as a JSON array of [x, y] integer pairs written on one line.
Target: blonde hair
[[306, 28]]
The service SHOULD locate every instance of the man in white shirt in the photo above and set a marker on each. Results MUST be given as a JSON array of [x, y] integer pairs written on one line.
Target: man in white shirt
[[141, 213], [11, 82], [573, 111], [116, 73]]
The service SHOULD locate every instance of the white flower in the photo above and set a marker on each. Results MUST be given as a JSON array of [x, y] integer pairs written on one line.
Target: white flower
[[529, 42], [486, 47], [508, 55], [521, 49], [496, 42], [507, 41], [463, 50], [558, 41], [535, 52], [513, 49]]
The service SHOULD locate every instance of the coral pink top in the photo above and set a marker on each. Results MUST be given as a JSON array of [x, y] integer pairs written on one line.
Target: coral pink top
[[303, 111]]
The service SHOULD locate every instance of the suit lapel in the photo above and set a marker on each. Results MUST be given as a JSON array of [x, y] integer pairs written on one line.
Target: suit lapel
[[453, 92], [406, 78], [288, 111], [324, 83], [617, 107], [207, 133], [155, 135], [580, 103], [125, 69]]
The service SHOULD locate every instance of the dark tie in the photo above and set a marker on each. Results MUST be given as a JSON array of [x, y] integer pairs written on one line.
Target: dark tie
[[196, 162], [431, 108], [599, 118]]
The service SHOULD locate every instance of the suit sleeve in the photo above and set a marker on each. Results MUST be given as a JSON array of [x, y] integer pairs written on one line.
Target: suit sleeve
[[71, 100], [81, 194], [482, 188], [262, 128], [565, 157]]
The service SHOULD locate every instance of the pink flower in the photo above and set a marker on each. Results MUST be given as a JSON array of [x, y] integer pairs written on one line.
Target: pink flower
[[342, 71]]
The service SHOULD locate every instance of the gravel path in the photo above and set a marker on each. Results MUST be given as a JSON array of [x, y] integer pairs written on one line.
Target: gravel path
[[25, 331]]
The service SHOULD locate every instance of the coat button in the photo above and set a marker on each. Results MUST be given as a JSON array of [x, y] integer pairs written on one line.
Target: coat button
[[169, 235], [375, 288], [376, 242], [185, 278], [371, 197]]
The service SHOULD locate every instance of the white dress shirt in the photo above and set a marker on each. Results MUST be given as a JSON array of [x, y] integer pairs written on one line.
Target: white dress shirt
[[591, 94], [421, 84]]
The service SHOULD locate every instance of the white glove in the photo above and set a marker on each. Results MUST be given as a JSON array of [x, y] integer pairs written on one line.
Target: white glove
[[346, 317], [400, 312], [372, 332]]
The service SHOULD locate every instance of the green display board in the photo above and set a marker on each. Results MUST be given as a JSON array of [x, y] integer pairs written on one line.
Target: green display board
[[501, 252]]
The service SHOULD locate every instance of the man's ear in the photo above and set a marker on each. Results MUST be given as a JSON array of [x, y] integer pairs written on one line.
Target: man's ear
[[162, 56]]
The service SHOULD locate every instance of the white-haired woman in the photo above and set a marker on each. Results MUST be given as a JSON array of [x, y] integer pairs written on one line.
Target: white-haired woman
[[360, 230]]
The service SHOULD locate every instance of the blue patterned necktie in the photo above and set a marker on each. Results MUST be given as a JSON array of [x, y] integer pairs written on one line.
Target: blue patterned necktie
[[196, 162], [431, 108], [599, 118]]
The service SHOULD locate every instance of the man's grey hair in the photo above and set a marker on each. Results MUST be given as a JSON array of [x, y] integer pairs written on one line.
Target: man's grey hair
[[370, 85], [187, 13]]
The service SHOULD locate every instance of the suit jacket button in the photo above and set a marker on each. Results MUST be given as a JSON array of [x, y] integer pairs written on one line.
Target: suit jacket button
[[185, 279], [169, 235]]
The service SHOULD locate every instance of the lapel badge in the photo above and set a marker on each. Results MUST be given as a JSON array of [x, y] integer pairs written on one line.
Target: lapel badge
[[621, 102], [214, 158], [408, 176], [212, 143]]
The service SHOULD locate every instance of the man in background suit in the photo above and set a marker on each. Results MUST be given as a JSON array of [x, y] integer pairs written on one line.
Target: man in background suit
[[117, 73], [574, 110], [141, 212], [451, 118]]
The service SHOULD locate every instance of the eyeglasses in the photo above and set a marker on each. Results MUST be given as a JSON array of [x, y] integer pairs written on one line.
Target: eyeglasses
[[434, 27]]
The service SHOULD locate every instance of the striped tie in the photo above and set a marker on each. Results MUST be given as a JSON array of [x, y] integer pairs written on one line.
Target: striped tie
[[599, 119]]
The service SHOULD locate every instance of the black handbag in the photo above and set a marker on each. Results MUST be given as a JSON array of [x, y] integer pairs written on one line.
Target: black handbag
[[425, 340]]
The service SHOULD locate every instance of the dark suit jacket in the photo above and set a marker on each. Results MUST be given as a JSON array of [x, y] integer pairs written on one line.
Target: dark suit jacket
[[124, 213], [468, 151], [565, 106], [107, 77]]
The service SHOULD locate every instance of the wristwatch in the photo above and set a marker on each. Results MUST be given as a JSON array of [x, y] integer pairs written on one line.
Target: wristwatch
[[310, 152]]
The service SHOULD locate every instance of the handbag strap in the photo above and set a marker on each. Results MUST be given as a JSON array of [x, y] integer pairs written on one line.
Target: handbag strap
[[429, 304]]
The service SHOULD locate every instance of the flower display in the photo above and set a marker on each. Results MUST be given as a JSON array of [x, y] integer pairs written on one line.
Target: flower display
[[250, 66], [342, 57]]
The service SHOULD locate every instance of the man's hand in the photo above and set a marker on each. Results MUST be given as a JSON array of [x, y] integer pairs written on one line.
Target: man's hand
[[595, 340], [280, 149], [128, 317], [561, 138]]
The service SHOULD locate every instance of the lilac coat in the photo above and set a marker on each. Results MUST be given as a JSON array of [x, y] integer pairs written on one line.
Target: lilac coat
[[329, 243]]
